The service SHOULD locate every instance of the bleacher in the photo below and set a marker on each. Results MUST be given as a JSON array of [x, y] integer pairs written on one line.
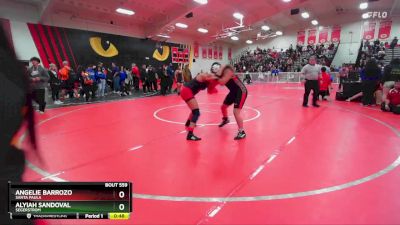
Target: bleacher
[[289, 60]]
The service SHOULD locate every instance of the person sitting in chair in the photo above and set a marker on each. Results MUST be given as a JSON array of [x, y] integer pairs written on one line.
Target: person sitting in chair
[[392, 102]]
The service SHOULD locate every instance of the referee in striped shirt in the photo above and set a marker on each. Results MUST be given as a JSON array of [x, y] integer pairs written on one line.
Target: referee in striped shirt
[[311, 73]]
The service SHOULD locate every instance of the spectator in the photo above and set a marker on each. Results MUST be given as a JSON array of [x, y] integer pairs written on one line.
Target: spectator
[[135, 76], [247, 78], [129, 80], [39, 78], [65, 79], [392, 102], [88, 82], [171, 74], [122, 77], [393, 45], [343, 74], [152, 80], [115, 76], [381, 54], [101, 81], [391, 73], [55, 84], [370, 76], [164, 79], [394, 42], [311, 73], [143, 78]]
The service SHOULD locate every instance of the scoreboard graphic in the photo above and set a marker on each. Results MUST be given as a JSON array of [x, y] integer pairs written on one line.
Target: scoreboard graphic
[[70, 200]]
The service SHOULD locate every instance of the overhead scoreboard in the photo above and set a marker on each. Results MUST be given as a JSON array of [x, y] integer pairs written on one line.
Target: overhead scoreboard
[[70, 200]]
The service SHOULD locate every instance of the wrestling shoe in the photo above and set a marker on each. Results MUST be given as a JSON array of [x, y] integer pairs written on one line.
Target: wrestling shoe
[[240, 135], [225, 121], [192, 137]]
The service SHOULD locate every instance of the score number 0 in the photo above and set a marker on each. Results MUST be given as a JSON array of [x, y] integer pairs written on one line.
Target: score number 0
[[121, 195]]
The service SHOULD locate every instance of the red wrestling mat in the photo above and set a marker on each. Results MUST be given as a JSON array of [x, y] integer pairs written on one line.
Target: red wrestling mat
[[336, 164]]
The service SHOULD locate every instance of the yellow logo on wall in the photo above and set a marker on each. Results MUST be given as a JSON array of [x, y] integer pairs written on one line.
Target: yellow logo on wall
[[164, 55], [95, 43]]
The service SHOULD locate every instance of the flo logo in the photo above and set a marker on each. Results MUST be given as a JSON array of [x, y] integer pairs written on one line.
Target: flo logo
[[376, 15], [111, 51]]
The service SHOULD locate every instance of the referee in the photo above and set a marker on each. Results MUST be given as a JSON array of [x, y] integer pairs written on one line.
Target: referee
[[311, 73]]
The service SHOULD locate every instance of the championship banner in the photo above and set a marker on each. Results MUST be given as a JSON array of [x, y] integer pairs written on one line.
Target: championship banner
[[220, 52], [175, 54], [196, 50], [384, 29], [185, 55], [335, 36], [210, 52], [323, 35], [312, 36], [204, 52], [301, 37], [369, 30], [229, 53], [215, 52]]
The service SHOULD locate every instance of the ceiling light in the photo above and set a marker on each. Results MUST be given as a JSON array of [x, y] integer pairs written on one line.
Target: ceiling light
[[238, 15], [314, 22], [305, 15], [249, 42], [363, 5], [181, 25], [163, 36], [265, 27], [279, 32], [235, 38], [286, 0], [365, 16], [125, 11], [202, 30], [320, 27], [203, 2]]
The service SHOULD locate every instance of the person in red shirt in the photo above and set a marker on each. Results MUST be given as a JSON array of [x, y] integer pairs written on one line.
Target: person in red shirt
[[325, 83], [392, 102], [64, 73], [135, 76]]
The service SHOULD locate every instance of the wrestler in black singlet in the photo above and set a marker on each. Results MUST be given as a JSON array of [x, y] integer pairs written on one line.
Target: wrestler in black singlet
[[237, 93]]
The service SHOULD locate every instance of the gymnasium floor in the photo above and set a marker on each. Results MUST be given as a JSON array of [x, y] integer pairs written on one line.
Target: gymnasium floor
[[337, 164]]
